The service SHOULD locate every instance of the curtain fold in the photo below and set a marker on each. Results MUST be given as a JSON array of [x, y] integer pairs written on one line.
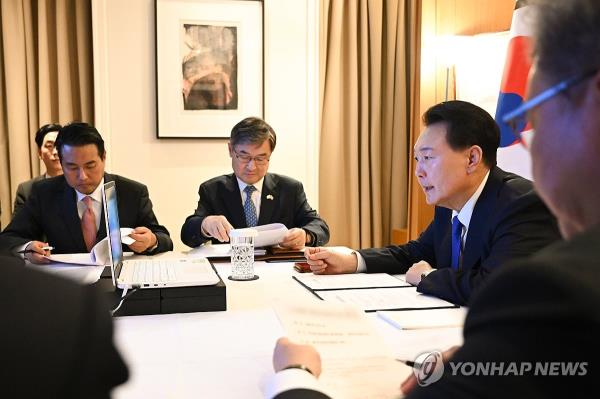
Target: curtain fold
[[368, 80], [46, 76]]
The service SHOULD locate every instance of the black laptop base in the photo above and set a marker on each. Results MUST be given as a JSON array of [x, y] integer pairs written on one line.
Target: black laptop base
[[209, 298]]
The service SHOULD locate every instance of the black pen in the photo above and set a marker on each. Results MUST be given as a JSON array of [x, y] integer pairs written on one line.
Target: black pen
[[30, 251], [410, 363]]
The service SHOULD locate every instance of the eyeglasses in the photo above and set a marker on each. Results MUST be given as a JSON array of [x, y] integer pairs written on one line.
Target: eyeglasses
[[517, 118], [259, 160]]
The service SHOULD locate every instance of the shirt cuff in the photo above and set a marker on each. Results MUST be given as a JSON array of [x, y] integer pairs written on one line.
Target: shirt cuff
[[311, 239], [150, 250], [289, 379], [362, 266]]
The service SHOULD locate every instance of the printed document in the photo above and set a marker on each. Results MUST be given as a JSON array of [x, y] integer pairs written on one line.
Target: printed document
[[351, 351]]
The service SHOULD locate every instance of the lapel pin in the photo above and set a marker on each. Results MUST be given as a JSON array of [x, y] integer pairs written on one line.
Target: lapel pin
[[269, 197]]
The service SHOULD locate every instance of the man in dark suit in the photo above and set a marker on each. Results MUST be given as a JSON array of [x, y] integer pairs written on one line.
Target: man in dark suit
[[483, 216], [67, 210], [57, 337], [44, 139], [251, 196], [540, 313]]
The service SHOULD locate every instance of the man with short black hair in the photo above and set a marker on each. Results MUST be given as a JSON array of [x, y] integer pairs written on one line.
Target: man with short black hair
[[44, 139], [66, 211], [536, 323], [484, 216], [251, 196]]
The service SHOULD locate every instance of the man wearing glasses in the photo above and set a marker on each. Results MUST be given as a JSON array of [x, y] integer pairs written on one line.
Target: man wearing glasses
[[251, 196]]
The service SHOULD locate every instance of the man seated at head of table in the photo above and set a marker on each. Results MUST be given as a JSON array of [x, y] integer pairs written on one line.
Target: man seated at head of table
[[66, 211], [484, 216], [251, 196]]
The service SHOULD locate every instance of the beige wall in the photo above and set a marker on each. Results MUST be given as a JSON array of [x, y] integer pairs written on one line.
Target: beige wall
[[124, 73]]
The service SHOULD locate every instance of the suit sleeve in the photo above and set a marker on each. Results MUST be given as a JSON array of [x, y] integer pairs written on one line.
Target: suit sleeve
[[309, 220], [522, 229], [191, 233], [524, 315], [148, 219], [301, 394], [398, 259], [25, 225], [19, 199]]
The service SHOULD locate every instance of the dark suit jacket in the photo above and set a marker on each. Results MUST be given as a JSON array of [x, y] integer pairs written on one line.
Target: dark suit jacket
[[57, 337], [221, 196], [50, 214], [23, 191], [509, 221], [541, 309], [544, 309]]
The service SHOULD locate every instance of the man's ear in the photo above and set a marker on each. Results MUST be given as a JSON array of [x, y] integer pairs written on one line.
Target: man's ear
[[475, 155], [230, 147], [40, 153]]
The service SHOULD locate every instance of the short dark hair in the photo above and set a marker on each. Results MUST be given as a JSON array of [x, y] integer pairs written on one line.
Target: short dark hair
[[78, 134], [253, 130], [43, 131], [566, 37], [466, 125]]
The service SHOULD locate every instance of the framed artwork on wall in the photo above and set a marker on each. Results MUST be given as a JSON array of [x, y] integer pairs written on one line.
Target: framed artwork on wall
[[209, 66]]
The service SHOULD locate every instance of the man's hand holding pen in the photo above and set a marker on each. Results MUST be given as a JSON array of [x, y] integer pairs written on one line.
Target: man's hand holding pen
[[36, 251]]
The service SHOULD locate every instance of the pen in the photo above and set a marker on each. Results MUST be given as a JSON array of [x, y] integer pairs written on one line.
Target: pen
[[29, 251], [410, 363]]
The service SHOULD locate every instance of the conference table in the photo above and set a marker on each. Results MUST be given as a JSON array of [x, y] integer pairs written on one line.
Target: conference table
[[228, 354]]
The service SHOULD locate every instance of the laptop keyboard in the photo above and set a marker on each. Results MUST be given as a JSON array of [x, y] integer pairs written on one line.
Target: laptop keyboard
[[152, 271]]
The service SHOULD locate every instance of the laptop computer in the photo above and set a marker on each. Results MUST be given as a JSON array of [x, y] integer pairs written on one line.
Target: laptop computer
[[149, 273]]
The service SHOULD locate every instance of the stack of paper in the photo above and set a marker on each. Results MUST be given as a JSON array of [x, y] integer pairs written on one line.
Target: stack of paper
[[370, 292], [434, 318]]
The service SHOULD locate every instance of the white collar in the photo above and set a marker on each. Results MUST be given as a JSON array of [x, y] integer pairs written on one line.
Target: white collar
[[467, 210], [96, 194], [258, 185]]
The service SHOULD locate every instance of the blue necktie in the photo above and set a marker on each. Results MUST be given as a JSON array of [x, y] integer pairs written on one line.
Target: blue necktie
[[249, 208], [456, 244]]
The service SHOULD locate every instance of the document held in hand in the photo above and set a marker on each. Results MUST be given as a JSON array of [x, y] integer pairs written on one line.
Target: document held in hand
[[98, 256]]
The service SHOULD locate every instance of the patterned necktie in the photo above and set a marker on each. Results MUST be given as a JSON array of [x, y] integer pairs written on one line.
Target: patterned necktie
[[249, 208], [88, 224], [456, 242]]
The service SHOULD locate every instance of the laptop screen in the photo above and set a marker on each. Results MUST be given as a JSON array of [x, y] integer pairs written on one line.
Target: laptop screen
[[113, 229]]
